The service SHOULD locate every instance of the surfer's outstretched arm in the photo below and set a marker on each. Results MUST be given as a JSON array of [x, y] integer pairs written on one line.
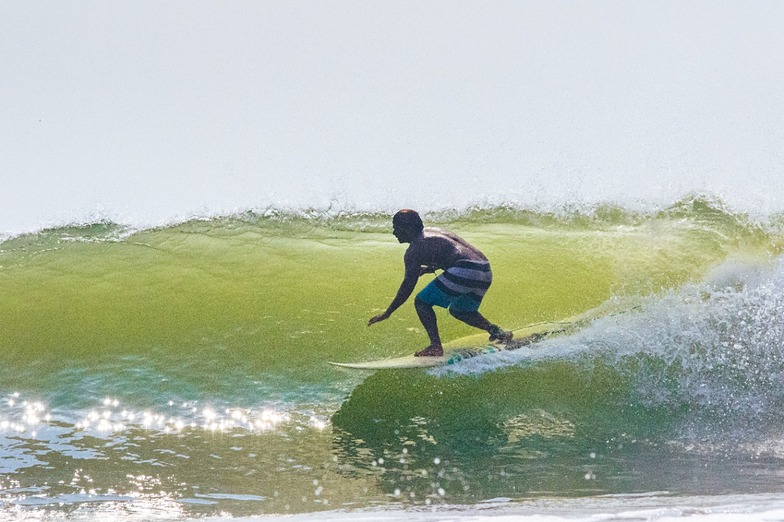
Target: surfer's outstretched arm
[[403, 293]]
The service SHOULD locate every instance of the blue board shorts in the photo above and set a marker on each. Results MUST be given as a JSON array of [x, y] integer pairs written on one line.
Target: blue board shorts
[[460, 287]]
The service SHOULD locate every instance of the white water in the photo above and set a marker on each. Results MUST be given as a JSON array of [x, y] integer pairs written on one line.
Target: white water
[[659, 507], [150, 112]]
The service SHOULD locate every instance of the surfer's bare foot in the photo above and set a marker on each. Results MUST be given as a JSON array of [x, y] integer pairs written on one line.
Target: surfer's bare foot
[[430, 351]]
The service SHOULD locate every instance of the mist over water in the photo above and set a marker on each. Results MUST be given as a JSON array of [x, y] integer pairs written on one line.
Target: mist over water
[[149, 114]]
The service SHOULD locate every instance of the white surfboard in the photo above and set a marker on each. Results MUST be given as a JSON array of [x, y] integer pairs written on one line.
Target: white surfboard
[[412, 361], [462, 349]]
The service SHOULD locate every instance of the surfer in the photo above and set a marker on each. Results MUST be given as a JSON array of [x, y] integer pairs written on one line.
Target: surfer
[[460, 287]]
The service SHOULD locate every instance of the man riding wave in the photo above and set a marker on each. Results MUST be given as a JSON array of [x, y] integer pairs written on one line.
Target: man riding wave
[[460, 287]]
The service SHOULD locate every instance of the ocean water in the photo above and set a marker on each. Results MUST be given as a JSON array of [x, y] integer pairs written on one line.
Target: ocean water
[[181, 371], [195, 203]]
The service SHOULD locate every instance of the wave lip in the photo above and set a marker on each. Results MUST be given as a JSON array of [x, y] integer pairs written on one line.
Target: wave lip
[[697, 207]]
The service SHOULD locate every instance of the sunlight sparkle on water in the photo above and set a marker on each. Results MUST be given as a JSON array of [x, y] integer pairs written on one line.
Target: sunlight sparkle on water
[[111, 416], [22, 416], [178, 417]]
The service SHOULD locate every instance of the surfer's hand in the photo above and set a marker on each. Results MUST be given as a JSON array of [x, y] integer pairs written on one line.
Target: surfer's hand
[[378, 318]]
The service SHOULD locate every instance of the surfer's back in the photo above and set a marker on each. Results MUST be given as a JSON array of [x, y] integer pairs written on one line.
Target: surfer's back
[[442, 249]]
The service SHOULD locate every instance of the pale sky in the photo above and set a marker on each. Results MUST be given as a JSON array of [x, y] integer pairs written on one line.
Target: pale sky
[[149, 111]]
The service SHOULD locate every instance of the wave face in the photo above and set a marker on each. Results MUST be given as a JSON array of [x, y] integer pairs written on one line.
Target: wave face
[[182, 369]]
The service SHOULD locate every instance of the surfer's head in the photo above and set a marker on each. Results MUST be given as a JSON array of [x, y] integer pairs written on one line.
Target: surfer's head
[[406, 225]]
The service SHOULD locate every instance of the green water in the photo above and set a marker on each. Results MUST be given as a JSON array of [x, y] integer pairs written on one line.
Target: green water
[[219, 331], [262, 285]]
